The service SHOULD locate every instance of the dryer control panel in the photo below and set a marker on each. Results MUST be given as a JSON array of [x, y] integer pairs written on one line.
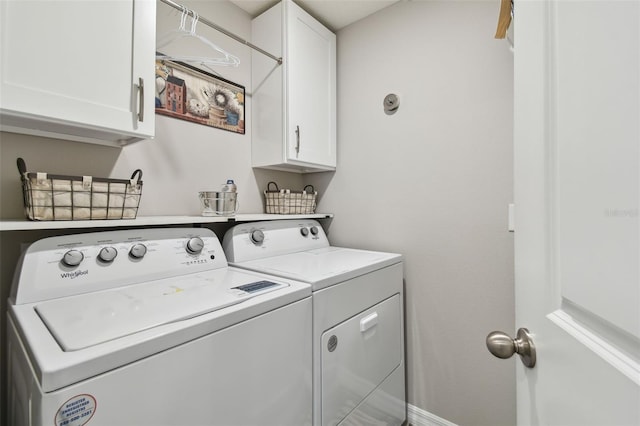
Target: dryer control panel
[[258, 240], [75, 264]]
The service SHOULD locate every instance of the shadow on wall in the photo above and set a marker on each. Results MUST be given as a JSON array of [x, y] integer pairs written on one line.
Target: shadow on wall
[[320, 182]]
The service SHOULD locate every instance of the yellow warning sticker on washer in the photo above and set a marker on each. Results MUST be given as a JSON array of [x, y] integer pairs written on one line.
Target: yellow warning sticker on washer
[[77, 411]]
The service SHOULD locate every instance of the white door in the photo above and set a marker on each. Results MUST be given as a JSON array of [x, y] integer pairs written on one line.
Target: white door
[[577, 184]]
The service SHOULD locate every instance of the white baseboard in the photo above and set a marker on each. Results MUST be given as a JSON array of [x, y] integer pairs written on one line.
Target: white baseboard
[[419, 417]]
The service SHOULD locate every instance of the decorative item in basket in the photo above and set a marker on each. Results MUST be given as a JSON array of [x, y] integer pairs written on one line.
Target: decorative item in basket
[[59, 197], [285, 201]]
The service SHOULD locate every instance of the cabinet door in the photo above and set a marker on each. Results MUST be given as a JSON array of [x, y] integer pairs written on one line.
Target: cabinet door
[[76, 67], [311, 89]]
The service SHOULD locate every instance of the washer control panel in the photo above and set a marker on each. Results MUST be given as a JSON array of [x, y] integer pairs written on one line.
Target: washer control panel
[[107, 254], [75, 264]]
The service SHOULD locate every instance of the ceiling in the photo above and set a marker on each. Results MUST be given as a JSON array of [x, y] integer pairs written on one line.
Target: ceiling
[[334, 14]]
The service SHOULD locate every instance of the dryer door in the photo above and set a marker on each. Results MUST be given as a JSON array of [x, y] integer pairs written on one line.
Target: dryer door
[[357, 355]]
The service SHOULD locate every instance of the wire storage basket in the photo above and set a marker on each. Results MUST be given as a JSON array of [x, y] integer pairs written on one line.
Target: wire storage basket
[[286, 201], [60, 197]]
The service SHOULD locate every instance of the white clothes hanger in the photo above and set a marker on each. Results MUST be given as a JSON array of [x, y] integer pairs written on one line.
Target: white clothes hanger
[[227, 59], [174, 34]]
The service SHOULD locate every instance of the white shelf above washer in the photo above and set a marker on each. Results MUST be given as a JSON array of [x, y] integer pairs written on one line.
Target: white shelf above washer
[[27, 225]]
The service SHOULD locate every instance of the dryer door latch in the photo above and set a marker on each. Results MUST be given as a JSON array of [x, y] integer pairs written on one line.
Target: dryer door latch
[[369, 321]]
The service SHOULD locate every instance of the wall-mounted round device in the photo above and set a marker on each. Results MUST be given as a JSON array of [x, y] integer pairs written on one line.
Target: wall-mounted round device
[[391, 103]]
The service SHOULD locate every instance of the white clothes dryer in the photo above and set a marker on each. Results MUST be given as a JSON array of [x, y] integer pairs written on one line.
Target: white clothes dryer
[[358, 316], [152, 327]]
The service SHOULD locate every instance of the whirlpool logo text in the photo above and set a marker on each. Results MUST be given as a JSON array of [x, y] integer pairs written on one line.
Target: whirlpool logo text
[[75, 274]]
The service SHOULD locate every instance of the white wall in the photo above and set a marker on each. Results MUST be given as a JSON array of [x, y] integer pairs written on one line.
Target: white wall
[[433, 182]]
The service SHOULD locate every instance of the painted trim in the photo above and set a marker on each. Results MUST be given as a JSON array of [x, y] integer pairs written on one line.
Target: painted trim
[[616, 358], [419, 417]]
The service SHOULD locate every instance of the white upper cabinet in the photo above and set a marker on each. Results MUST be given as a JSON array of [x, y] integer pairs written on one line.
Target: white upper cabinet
[[78, 70], [294, 104]]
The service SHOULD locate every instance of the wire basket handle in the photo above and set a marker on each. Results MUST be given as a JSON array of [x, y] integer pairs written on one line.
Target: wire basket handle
[[22, 167], [137, 172], [309, 186], [274, 184]]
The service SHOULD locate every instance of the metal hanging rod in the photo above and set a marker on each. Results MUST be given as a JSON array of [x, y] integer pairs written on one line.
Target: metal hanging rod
[[223, 31]]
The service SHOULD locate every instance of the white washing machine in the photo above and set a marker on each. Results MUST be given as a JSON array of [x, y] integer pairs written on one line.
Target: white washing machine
[[358, 327], [151, 327]]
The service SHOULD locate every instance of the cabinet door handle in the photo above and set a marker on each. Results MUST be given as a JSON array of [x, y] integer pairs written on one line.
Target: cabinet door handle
[[297, 140], [141, 98]]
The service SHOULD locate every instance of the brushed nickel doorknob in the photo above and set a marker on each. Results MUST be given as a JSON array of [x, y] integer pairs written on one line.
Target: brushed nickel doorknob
[[503, 346]]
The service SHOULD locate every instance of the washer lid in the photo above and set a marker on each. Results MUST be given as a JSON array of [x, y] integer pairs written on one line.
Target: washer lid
[[82, 321]]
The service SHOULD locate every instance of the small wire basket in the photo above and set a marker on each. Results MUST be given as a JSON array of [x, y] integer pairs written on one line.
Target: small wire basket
[[60, 197], [285, 201]]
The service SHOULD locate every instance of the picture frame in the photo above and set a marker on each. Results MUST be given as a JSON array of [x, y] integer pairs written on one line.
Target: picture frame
[[189, 93]]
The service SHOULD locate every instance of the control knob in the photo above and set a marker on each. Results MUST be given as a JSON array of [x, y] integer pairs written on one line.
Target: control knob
[[107, 254], [138, 251], [194, 245], [314, 230], [257, 236], [72, 258], [304, 232]]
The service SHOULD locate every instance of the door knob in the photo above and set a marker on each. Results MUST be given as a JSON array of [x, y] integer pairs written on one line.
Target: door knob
[[503, 346]]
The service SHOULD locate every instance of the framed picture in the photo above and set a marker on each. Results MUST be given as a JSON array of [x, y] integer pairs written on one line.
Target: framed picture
[[188, 93]]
